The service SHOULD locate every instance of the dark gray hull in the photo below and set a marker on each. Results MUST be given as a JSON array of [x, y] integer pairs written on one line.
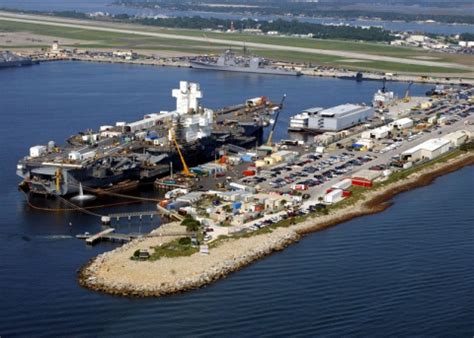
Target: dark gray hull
[[260, 70], [16, 63]]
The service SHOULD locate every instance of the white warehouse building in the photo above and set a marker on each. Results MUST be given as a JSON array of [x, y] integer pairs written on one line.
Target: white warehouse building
[[403, 123], [377, 133], [340, 117], [427, 150], [458, 137]]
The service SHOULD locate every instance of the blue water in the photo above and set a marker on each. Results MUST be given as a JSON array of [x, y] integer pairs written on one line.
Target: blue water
[[106, 6], [406, 271]]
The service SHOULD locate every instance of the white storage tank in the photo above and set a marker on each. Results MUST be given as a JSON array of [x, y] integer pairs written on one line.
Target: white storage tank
[[37, 151]]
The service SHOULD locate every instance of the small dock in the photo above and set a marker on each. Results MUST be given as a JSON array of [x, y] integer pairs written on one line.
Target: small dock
[[94, 238], [109, 235], [138, 214]]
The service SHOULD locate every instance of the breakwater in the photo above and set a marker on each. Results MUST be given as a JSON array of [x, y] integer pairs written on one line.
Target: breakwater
[[114, 273]]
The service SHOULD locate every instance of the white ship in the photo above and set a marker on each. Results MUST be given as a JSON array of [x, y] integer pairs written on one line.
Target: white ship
[[383, 98]]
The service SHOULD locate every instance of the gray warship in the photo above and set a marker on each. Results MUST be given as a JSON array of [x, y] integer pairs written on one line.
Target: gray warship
[[229, 62], [124, 154], [9, 59]]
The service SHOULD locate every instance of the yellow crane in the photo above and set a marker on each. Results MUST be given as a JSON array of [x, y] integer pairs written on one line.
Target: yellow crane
[[407, 97], [186, 171]]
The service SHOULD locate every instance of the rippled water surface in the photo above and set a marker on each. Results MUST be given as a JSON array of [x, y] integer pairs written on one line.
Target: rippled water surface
[[406, 271]]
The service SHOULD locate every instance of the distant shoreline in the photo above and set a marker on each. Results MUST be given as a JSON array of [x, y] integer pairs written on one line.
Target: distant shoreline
[[114, 273], [343, 75]]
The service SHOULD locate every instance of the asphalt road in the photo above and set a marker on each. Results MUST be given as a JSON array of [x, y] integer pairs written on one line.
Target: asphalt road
[[110, 27]]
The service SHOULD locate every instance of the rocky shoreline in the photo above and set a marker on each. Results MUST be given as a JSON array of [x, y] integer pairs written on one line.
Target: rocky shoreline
[[88, 279], [114, 273]]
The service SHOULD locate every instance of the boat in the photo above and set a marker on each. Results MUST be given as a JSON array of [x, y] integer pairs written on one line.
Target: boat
[[85, 235], [118, 157], [383, 98], [229, 62], [9, 59]]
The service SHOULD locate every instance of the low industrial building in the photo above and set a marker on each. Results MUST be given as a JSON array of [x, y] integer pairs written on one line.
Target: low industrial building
[[365, 177], [458, 137], [340, 117], [377, 133], [403, 123], [427, 150]]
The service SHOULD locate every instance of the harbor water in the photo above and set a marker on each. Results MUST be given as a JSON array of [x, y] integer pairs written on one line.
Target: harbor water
[[405, 271]]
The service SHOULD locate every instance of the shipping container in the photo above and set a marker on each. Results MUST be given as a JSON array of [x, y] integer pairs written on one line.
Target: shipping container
[[361, 182]]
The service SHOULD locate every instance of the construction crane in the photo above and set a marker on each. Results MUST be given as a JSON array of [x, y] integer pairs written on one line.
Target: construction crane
[[407, 97], [186, 171], [280, 107]]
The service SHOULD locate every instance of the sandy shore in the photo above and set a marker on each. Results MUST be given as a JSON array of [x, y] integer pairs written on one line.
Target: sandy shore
[[115, 273]]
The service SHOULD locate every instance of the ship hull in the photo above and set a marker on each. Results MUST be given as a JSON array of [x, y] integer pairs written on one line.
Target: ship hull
[[263, 70], [19, 63], [199, 152]]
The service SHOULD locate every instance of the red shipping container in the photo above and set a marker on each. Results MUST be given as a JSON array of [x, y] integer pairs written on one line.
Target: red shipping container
[[329, 190], [361, 182]]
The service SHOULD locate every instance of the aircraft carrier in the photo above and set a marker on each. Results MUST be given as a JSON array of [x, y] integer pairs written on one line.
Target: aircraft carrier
[[143, 150], [9, 59], [229, 62]]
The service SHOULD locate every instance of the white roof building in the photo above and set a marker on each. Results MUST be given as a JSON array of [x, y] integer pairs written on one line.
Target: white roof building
[[427, 150], [458, 137], [402, 123], [340, 117]]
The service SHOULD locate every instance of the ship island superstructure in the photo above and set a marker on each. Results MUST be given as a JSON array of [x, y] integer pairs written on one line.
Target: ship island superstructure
[[139, 150]]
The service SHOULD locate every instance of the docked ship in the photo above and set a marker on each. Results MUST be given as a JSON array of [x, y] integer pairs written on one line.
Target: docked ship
[[229, 62], [9, 59], [383, 98], [141, 150]]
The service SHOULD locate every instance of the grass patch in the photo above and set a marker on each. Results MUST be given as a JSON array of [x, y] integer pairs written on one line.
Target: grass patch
[[399, 67], [102, 39], [297, 56], [123, 40], [175, 248], [403, 174]]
